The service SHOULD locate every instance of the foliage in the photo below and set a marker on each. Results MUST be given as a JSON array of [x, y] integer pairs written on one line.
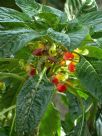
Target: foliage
[[45, 53]]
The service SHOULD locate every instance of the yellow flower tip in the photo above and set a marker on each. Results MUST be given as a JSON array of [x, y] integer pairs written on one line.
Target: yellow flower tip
[[41, 45], [69, 83], [63, 62]]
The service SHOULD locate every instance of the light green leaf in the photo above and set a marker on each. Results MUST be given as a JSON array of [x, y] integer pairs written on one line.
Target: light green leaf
[[50, 123], [89, 72], [32, 102], [93, 51]]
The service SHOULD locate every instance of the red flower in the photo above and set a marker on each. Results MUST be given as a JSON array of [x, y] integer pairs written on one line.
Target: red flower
[[68, 56], [61, 87], [55, 80], [38, 52], [71, 67], [32, 72]]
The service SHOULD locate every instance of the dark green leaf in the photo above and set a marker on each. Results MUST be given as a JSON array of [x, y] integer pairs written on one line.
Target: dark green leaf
[[89, 72], [12, 41], [74, 111], [7, 97], [11, 15], [50, 123], [31, 105], [96, 25], [58, 37], [31, 8], [79, 37]]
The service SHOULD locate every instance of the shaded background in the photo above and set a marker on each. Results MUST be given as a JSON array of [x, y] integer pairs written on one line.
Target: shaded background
[[55, 3]]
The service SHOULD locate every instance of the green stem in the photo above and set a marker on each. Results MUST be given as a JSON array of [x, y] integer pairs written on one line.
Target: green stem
[[41, 76], [5, 75], [82, 125], [6, 110], [7, 59], [12, 126]]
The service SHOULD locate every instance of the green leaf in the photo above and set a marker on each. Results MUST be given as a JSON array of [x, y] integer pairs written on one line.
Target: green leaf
[[50, 123], [61, 15], [82, 94], [89, 72], [8, 96], [99, 125], [96, 25], [10, 19], [93, 51], [2, 132], [12, 41], [11, 15], [32, 102], [32, 8], [99, 42], [50, 19], [79, 37], [74, 8], [74, 112], [59, 37], [88, 18]]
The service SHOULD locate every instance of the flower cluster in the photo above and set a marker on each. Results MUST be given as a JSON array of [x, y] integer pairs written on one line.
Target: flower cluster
[[60, 64], [60, 79]]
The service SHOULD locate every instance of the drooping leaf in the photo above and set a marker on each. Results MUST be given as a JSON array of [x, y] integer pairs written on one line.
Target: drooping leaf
[[32, 102], [11, 15], [13, 40], [50, 123], [59, 37], [89, 72], [79, 37]]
